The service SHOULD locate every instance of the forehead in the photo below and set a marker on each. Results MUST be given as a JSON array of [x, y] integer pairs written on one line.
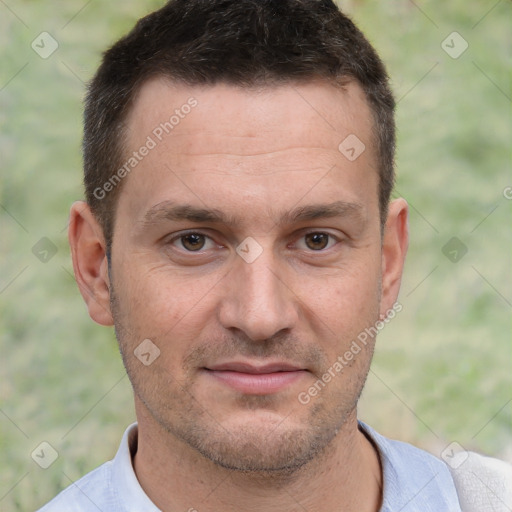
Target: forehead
[[251, 111], [220, 144]]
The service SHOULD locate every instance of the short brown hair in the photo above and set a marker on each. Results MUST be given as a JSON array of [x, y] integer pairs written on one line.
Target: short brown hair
[[240, 42]]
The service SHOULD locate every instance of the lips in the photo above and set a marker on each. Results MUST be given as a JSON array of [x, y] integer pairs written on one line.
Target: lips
[[256, 379], [255, 369]]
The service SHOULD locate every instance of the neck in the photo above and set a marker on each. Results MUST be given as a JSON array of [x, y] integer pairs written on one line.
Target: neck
[[345, 477]]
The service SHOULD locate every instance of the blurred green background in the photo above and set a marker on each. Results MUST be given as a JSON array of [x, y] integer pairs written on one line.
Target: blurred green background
[[442, 370]]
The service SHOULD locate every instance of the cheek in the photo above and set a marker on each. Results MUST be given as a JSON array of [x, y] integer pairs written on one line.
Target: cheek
[[345, 300], [159, 303]]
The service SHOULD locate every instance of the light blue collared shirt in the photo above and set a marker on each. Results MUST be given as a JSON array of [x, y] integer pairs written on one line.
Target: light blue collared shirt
[[413, 481]]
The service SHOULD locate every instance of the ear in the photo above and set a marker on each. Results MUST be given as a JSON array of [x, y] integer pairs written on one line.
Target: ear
[[88, 250], [394, 248]]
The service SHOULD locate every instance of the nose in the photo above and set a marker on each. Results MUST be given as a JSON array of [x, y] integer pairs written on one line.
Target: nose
[[257, 300]]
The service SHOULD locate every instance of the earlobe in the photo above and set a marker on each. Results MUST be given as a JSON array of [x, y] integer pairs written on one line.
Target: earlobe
[[88, 251], [394, 249]]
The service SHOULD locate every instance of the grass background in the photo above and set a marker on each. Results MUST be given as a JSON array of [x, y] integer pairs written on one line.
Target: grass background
[[442, 370]]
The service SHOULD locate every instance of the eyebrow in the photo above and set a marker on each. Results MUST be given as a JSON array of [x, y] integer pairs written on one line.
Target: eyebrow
[[170, 211]]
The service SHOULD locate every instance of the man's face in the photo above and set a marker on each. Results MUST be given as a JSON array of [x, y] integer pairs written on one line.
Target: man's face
[[247, 248]]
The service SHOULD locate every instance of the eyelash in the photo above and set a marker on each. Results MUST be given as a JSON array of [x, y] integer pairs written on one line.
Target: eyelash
[[181, 235], [187, 233]]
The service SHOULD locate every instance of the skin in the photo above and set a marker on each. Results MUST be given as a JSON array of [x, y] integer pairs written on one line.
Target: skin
[[256, 156]]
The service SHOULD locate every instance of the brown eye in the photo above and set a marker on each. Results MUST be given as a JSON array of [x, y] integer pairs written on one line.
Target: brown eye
[[193, 241], [317, 241]]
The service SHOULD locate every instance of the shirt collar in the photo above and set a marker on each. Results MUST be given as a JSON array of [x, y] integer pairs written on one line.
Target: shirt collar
[[411, 478], [124, 481], [130, 494]]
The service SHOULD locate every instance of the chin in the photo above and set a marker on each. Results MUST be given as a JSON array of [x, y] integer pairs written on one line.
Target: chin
[[265, 443], [264, 451]]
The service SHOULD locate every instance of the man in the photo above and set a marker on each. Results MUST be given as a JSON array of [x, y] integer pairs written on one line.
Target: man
[[238, 233]]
